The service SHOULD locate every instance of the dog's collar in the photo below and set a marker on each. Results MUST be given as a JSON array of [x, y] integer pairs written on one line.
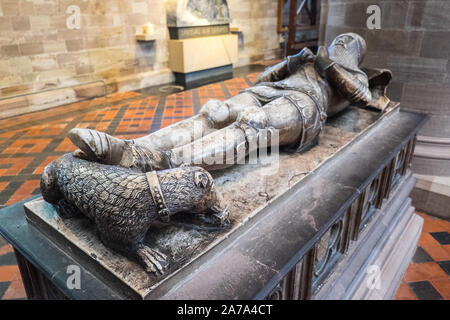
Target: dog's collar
[[158, 198]]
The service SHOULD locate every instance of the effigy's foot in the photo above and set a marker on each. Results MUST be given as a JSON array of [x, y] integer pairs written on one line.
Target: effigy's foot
[[97, 146], [104, 148]]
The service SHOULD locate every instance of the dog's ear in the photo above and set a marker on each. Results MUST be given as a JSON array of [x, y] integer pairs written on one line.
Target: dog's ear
[[201, 180]]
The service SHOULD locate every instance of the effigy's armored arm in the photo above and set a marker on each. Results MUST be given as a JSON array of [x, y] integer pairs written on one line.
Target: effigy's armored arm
[[287, 67], [354, 88], [357, 92]]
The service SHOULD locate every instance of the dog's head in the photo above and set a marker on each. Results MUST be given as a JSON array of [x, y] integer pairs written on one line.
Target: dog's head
[[211, 199], [191, 189]]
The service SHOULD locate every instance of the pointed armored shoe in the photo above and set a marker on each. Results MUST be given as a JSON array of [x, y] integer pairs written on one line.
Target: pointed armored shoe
[[104, 148]]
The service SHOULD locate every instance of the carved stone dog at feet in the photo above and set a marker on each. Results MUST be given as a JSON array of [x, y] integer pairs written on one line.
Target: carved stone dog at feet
[[124, 203]]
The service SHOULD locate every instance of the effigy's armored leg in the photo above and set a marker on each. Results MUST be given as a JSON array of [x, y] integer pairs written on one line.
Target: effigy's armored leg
[[146, 153], [103, 148], [297, 119], [215, 151], [213, 115]]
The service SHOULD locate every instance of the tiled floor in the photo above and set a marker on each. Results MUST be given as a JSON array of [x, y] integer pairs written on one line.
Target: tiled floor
[[29, 142], [428, 275]]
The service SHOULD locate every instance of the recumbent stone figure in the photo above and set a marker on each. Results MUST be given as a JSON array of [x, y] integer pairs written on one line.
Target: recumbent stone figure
[[126, 185]]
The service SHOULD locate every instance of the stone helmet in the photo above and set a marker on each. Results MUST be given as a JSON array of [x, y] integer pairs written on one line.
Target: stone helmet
[[348, 50]]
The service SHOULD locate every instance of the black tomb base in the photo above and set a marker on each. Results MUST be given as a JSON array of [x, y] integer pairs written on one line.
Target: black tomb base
[[200, 78]]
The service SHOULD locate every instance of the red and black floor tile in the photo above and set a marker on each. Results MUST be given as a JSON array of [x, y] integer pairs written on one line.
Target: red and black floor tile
[[428, 276], [11, 286]]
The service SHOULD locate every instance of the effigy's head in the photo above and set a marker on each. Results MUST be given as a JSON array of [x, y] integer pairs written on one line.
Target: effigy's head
[[348, 49]]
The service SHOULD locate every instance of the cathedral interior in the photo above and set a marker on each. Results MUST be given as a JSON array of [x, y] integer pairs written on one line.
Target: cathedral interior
[[101, 80]]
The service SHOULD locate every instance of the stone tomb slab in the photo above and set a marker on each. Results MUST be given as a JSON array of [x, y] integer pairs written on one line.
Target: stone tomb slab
[[247, 188]]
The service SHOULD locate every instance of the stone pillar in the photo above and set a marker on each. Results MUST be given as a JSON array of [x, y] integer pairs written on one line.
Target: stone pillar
[[414, 42]]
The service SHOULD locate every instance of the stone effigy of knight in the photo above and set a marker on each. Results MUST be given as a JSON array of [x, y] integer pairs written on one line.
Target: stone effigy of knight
[[293, 99]]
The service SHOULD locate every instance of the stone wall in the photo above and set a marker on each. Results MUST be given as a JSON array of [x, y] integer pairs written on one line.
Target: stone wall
[[39, 52], [414, 42], [257, 19]]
